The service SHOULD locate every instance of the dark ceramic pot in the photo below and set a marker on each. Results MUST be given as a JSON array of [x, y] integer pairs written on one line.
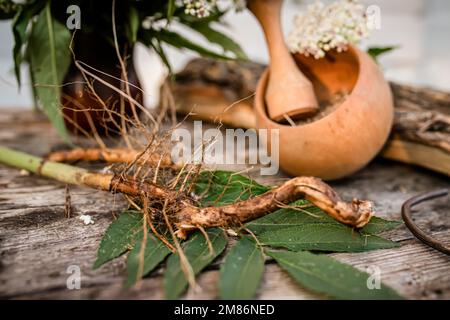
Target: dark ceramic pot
[[85, 111]]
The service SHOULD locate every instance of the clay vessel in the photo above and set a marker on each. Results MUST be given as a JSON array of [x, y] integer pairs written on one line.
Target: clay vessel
[[346, 139]]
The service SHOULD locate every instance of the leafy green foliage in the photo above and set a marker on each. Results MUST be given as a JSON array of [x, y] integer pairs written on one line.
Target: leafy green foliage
[[119, 237], [20, 24], [48, 43], [309, 228], [242, 270], [304, 227], [180, 42], [304, 213], [142, 261], [323, 237], [217, 188], [133, 24], [48, 48], [376, 52], [326, 275], [227, 44], [170, 9], [301, 213], [378, 225], [8, 9], [199, 256]]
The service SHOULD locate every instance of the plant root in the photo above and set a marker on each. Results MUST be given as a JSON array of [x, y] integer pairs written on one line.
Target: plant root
[[186, 216], [117, 155], [180, 211], [356, 214]]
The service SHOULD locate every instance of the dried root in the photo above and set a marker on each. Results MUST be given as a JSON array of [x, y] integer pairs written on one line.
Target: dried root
[[186, 216], [117, 155], [355, 214]]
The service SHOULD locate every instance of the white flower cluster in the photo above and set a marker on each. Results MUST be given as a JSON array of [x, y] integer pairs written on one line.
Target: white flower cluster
[[323, 28], [198, 8], [203, 8]]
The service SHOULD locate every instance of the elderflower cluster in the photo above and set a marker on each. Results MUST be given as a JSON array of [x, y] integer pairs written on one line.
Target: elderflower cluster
[[198, 8], [203, 8], [323, 28]]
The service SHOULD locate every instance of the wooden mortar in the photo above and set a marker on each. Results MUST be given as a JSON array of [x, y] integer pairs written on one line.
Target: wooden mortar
[[289, 93], [346, 139]]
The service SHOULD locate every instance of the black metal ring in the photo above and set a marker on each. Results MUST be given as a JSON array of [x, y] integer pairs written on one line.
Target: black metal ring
[[422, 236]]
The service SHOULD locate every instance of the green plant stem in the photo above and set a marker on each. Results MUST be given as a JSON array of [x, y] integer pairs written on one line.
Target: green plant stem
[[79, 176], [54, 170]]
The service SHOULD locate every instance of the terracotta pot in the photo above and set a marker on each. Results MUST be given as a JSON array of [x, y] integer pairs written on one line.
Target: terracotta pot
[[81, 108], [346, 139]]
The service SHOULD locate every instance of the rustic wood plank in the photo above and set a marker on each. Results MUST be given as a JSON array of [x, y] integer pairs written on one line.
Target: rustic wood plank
[[38, 243]]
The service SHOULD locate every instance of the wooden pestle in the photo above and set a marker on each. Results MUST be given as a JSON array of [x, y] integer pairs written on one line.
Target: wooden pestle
[[289, 93]]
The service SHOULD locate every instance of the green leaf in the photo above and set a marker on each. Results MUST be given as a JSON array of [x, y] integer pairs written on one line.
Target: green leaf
[[225, 187], [50, 59], [178, 41], [199, 256], [156, 45], [133, 24], [242, 271], [376, 52], [19, 27], [378, 225], [326, 275], [214, 36], [119, 237], [323, 237], [8, 9], [310, 214], [170, 9], [288, 217], [154, 253]]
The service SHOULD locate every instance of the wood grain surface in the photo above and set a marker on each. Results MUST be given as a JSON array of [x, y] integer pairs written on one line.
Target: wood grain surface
[[38, 242]]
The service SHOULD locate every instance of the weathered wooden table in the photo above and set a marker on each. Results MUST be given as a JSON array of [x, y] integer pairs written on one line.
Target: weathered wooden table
[[38, 243]]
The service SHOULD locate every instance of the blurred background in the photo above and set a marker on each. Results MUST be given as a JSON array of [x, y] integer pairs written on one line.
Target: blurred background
[[421, 29]]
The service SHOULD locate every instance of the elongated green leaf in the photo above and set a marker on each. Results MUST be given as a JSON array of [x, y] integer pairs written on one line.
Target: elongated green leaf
[[170, 9], [225, 187], [20, 24], [133, 24], [376, 52], [120, 236], [199, 256], [217, 37], [306, 213], [323, 237], [139, 264], [50, 59], [178, 41], [284, 218], [156, 45], [326, 275], [242, 270], [378, 225], [8, 9]]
